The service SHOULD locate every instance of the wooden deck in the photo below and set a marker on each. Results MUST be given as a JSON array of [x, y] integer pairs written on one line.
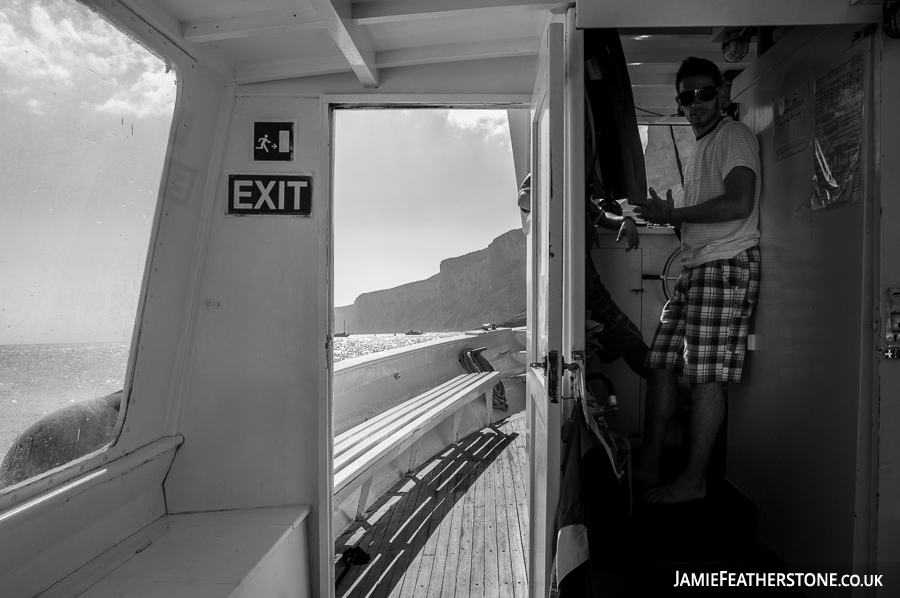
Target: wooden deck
[[456, 528]]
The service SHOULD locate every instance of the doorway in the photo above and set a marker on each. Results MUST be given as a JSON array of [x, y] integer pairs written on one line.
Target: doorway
[[420, 197]]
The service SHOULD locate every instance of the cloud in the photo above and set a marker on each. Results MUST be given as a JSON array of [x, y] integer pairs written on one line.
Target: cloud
[[493, 124], [27, 57], [152, 94], [36, 106], [61, 45]]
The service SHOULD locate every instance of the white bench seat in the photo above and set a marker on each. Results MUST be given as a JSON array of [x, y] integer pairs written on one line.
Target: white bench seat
[[362, 450], [242, 553]]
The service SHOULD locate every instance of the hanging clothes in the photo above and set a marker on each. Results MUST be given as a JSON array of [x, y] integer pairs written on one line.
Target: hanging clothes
[[592, 515], [615, 152]]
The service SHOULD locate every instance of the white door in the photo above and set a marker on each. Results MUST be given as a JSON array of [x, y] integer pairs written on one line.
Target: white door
[[555, 315]]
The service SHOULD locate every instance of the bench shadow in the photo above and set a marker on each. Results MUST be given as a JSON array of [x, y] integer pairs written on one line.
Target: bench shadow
[[397, 527]]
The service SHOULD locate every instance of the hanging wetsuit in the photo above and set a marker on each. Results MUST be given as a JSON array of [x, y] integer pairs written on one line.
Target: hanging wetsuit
[[617, 169], [614, 163]]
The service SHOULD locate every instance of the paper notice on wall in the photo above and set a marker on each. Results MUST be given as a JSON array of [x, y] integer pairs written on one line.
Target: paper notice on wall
[[838, 133], [791, 123]]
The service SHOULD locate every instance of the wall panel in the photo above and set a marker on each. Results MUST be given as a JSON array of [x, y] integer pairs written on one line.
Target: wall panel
[[792, 421]]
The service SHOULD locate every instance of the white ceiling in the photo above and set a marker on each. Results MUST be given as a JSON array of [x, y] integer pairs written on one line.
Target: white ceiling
[[262, 40]]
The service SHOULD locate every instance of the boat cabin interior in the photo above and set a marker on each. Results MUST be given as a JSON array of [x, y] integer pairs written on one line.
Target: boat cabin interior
[[238, 452]]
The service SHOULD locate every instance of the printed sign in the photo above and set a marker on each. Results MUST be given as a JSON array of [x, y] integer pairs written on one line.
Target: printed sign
[[269, 194], [791, 126], [838, 133], [273, 141]]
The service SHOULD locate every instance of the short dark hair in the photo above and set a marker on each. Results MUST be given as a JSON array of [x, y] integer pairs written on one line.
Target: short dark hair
[[693, 66]]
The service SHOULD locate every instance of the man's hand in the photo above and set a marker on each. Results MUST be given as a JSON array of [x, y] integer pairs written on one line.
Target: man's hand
[[629, 231], [658, 210]]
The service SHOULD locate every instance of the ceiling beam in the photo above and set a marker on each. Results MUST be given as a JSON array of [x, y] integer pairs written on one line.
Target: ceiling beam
[[325, 65], [281, 21], [163, 21], [651, 119], [651, 55], [676, 45], [647, 68], [730, 13], [655, 79], [665, 105], [354, 41], [501, 48], [391, 11]]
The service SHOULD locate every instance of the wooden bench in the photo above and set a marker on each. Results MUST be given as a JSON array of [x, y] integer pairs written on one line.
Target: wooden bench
[[362, 450]]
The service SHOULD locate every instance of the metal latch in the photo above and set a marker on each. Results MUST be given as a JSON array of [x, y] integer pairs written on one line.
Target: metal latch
[[540, 365], [552, 366], [549, 365], [553, 377], [892, 324]]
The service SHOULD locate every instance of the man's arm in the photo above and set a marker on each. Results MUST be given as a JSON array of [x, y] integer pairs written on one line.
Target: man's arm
[[736, 203], [624, 224]]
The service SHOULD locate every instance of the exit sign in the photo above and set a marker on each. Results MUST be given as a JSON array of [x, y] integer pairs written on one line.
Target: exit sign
[[269, 194], [273, 141]]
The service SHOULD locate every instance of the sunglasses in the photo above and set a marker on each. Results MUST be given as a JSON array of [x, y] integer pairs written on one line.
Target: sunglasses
[[686, 98]]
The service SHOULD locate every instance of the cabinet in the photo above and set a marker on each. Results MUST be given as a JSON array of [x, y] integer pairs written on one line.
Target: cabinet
[[641, 300]]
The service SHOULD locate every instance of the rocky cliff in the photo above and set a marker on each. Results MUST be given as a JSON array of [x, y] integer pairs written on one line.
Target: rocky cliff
[[470, 290]]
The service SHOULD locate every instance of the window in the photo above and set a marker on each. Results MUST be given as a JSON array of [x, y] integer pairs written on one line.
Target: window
[[85, 114], [661, 158]]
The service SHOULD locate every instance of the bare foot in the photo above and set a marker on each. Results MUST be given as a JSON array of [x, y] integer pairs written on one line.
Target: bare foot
[[680, 490]]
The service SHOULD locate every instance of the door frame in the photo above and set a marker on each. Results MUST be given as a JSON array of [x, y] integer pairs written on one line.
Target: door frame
[[560, 82], [327, 105]]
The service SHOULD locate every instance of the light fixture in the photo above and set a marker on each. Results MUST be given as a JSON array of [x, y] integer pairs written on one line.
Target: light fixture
[[735, 46], [891, 16]]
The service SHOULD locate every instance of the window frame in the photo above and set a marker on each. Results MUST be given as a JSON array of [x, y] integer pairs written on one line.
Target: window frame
[[86, 467]]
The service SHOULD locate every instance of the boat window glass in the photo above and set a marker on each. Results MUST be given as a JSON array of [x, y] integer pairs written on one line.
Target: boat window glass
[[664, 147], [85, 115]]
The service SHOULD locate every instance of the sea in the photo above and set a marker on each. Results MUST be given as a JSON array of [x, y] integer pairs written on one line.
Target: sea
[[36, 380]]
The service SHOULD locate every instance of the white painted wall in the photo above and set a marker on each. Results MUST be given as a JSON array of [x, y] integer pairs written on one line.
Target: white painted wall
[[887, 408], [253, 404], [793, 421], [253, 401]]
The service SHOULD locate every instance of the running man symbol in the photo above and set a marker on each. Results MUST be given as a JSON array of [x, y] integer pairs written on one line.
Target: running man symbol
[[264, 143], [273, 141]]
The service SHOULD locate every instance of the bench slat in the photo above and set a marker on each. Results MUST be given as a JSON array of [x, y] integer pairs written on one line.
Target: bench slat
[[392, 439], [350, 437], [373, 435], [408, 422]]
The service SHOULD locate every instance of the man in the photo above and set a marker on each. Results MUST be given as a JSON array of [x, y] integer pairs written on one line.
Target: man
[[703, 328], [611, 333]]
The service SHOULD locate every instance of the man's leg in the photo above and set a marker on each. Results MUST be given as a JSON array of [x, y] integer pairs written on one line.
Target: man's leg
[[662, 400], [707, 415]]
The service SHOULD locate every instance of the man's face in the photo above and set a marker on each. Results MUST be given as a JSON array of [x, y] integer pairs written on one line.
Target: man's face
[[702, 115]]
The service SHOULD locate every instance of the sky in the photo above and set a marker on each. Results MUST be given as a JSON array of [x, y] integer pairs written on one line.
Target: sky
[[414, 187], [85, 114]]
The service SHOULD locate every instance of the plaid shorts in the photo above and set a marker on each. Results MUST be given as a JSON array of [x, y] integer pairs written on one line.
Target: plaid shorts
[[703, 328]]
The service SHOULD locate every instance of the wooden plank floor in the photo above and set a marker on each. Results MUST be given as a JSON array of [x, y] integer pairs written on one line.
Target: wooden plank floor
[[456, 528]]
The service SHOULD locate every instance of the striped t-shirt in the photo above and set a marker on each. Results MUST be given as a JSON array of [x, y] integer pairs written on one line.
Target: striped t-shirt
[[727, 145]]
